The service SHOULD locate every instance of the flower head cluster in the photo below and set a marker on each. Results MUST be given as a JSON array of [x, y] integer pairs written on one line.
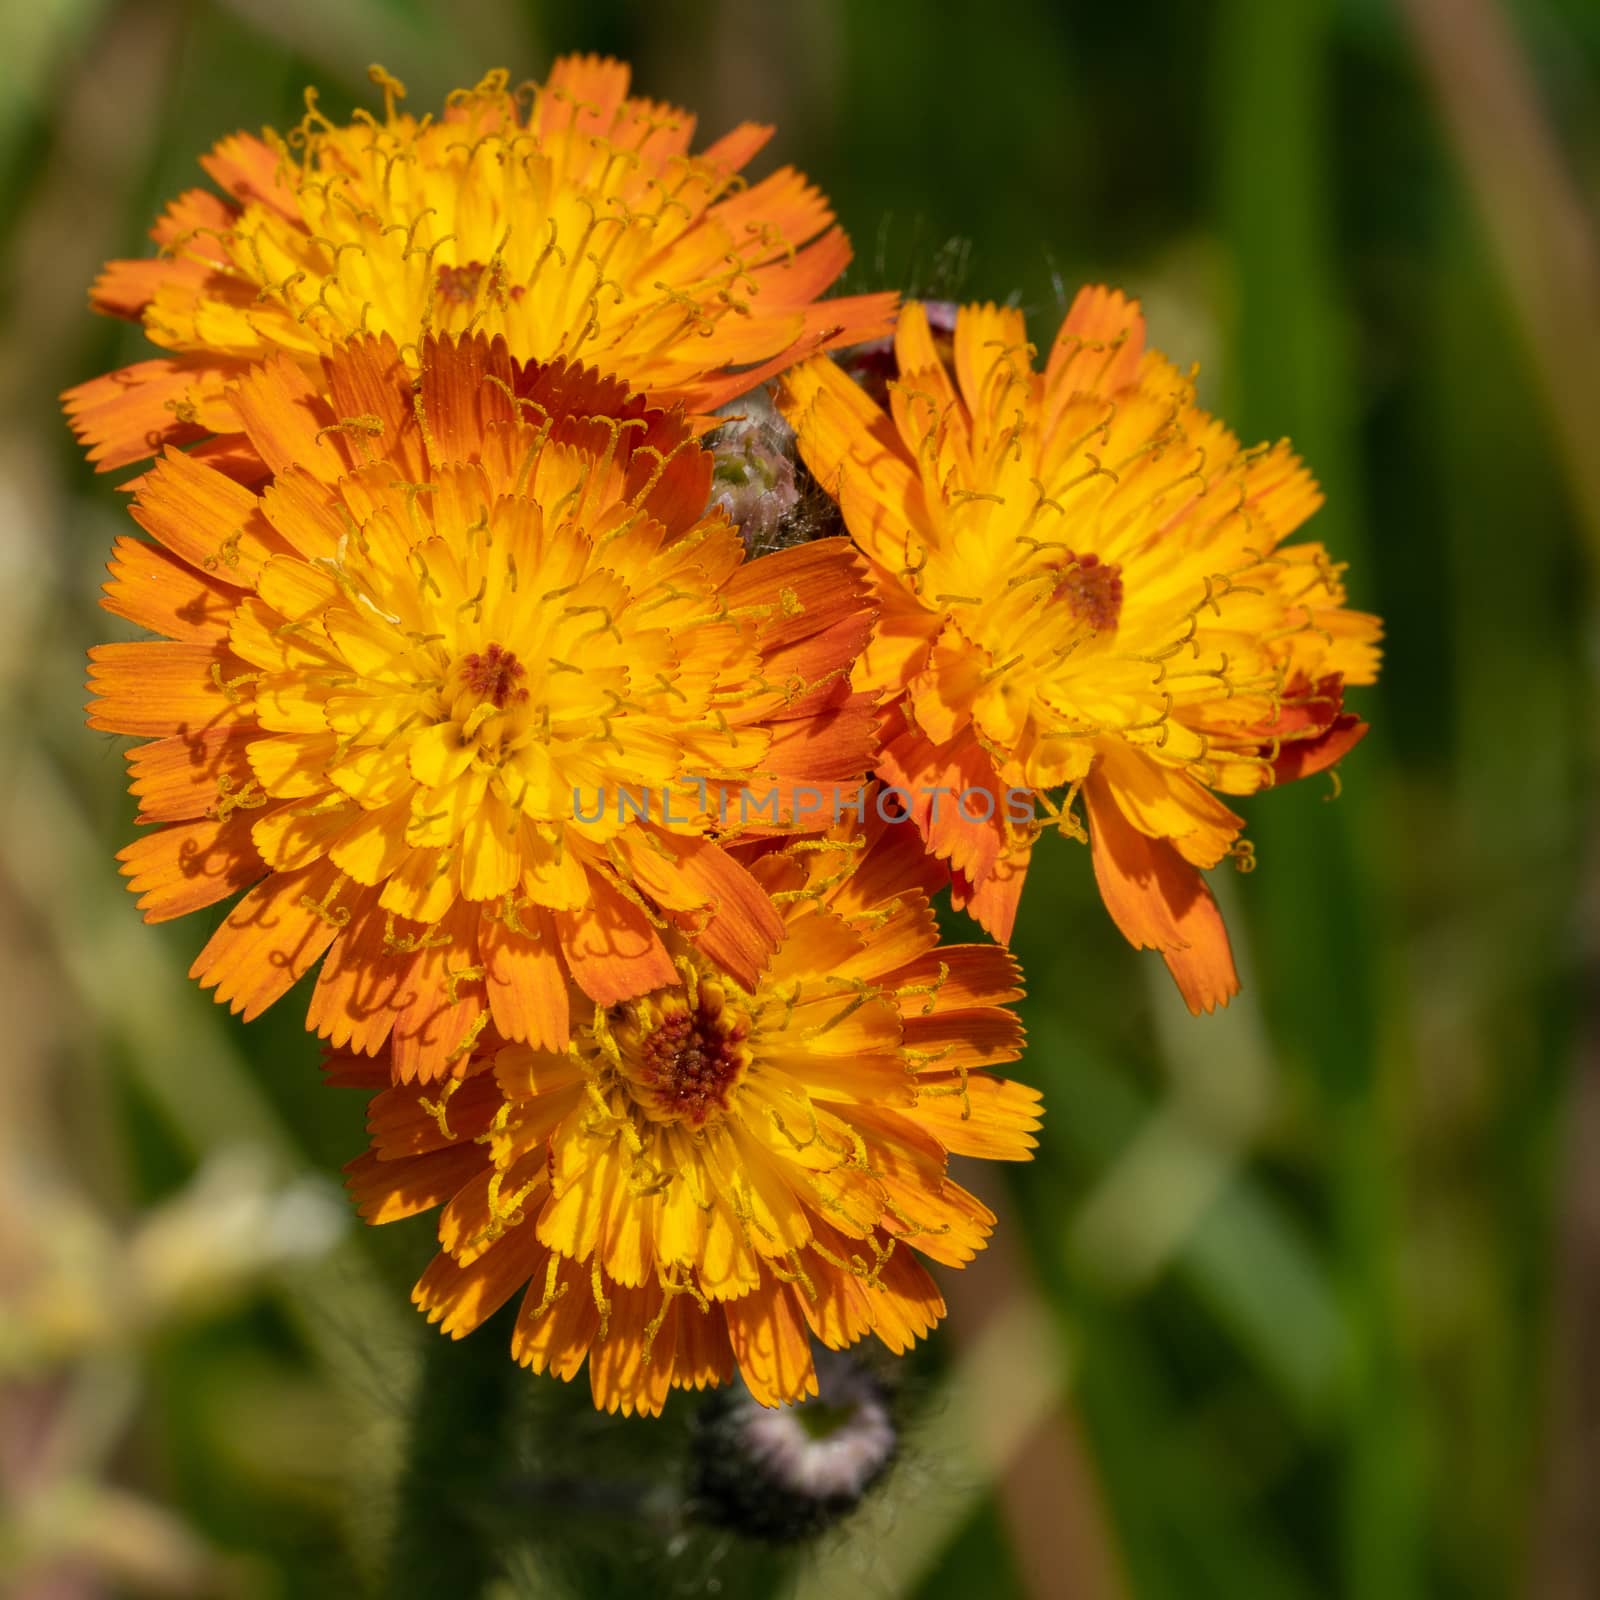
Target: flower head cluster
[[1085, 586], [385, 677], [718, 1172], [568, 216], [440, 579]]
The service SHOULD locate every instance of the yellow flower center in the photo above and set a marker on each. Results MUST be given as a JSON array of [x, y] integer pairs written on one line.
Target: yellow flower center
[[492, 674], [566, 238], [683, 1058], [485, 698], [458, 286], [1091, 589]]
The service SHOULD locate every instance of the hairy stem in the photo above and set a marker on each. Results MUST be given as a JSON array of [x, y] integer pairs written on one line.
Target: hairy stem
[[443, 1540]]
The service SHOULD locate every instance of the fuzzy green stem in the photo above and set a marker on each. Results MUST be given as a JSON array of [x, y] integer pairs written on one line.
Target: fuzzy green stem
[[443, 1541]]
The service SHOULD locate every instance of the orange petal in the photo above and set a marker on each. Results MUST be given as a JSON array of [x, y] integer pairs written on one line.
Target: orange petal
[[610, 948], [1159, 901], [983, 336], [188, 776], [461, 1299], [825, 749], [355, 1001], [343, 1071], [125, 288], [1313, 728], [797, 279], [194, 212], [739, 927], [769, 1341], [959, 975], [935, 1216], [892, 864], [838, 422], [829, 325], [1204, 972], [963, 1039], [368, 380], [231, 454], [1306, 757], [822, 610], [444, 1006], [299, 832], [1167, 803], [272, 938], [1098, 349], [993, 904], [163, 688], [630, 1370], [902, 638], [584, 92], [737, 146], [558, 1320], [157, 591], [526, 980], [906, 930], [408, 1120], [475, 1216], [992, 1118], [189, 865], [202, 516], [251, 170], [288, 421], [385, 1191], [704, 1357], [839, 1313], [129, 414], [946, 785], [905, 1301], [466, 392], [424, 888]]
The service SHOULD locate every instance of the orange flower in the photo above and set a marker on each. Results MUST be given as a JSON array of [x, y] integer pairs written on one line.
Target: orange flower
[[710, 1173], [576, 223], [401, 690], [1085, 587]]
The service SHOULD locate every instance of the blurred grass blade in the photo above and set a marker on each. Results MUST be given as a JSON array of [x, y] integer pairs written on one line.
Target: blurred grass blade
[[1542, 231], [1326, 978]]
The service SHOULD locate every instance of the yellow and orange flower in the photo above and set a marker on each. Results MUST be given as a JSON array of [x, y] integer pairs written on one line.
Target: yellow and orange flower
[[709, 1174], [1085, 587], [400, 691], [573, 220]]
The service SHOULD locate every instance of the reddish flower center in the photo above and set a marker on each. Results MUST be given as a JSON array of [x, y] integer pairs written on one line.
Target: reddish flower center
[[493, 674], [690, 1062], [1091, 589], [458, 286]]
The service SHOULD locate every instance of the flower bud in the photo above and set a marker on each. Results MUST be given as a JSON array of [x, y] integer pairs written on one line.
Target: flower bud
[[786, 1473], [753, 478]]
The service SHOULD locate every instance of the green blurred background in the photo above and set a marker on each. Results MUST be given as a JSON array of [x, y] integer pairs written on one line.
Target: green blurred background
[[1301, 1300]]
